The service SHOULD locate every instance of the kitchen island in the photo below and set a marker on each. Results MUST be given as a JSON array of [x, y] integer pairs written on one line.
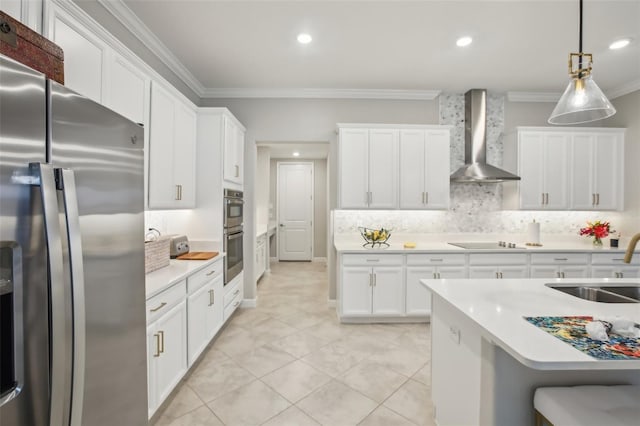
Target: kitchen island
[[487, 360]]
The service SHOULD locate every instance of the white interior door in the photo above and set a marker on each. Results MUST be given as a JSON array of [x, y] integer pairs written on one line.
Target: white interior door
[[295, 211]]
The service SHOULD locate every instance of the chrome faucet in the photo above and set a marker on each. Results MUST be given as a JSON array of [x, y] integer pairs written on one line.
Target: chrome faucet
[[632, 246]]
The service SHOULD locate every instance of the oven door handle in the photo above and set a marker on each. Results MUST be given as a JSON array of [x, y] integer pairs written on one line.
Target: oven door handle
[[235, 236], [235, 201]]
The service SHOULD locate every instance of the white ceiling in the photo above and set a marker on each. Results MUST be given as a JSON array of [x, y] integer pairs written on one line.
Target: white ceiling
[[391, 45]]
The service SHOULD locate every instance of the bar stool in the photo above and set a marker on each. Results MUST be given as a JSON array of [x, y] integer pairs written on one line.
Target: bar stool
[[588, 406]]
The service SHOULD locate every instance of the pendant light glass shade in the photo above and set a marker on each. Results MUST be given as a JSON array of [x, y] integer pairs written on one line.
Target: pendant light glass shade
[[581, 102]]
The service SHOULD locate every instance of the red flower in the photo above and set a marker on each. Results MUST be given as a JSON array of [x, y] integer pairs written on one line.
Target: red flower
[[596, 229]]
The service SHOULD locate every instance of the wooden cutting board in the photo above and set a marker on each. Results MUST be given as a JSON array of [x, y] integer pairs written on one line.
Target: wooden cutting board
[[198, 255]]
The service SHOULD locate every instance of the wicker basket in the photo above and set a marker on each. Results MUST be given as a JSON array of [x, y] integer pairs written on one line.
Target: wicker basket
[[156, 254]]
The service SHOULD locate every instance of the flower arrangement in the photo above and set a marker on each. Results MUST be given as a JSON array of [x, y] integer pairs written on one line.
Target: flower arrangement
[[598, 230]]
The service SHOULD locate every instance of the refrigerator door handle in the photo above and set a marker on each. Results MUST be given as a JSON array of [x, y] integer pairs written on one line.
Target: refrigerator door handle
[[76, 267], [45, 179]]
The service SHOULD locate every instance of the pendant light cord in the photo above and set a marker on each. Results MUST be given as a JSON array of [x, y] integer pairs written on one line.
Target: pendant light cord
[[580, 43]]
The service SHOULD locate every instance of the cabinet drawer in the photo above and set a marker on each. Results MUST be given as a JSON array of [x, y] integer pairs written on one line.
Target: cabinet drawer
[[435, 259], [233, 304], [560, 258], [197, 280], [372, 259], [497, 259], [232, 293], [613, 259], [159, 304]]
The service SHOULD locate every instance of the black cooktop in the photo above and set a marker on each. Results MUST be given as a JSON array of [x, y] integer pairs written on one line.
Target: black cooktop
[[479, 245]]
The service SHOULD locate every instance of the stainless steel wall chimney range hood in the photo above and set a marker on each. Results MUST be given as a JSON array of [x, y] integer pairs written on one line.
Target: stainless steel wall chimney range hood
[[475, 167]]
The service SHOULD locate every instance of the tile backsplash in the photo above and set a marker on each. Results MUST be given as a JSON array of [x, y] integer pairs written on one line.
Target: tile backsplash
[[469, 221]]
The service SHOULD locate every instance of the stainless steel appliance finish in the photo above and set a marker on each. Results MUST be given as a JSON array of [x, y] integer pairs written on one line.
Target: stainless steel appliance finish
[[233, 234], [71, 221], [233, 248], [475, 167], [479, 245], [233, 208]]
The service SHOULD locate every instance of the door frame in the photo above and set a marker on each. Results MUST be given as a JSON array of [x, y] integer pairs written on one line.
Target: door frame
[[313, 199]]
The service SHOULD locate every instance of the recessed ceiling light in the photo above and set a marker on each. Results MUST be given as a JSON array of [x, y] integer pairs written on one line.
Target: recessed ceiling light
[[304, 38], [296, 154], [619, 44], [464, 41]]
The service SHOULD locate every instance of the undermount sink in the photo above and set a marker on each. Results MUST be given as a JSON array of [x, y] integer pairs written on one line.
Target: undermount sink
[[605, 294]]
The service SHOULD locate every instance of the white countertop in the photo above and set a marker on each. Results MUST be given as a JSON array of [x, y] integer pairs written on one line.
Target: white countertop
[[498, 308], [439, 243], [161, 279], [263, 228]]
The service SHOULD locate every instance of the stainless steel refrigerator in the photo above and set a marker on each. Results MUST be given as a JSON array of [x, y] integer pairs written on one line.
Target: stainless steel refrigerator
[[72, 296]]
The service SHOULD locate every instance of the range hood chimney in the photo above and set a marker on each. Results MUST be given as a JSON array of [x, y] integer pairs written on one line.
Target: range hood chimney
[[475, 167]]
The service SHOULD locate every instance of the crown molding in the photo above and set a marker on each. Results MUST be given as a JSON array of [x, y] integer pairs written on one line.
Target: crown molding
[[130, 20], [624, 89], [533, 96], [323, 94]]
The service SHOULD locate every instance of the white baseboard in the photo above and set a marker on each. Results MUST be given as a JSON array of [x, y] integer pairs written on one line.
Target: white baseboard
[[331, 303], [249, 303], [319, 259]]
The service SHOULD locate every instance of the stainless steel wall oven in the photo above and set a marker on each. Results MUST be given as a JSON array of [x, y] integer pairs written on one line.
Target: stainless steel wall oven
[[233, 234]]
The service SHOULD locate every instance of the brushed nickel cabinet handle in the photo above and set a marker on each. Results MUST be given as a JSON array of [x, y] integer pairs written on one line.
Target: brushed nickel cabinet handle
[[621, 274], [497, 275], [211, 273], [436, 260], [237, 173], [375, 279], [439, 275], [177, 197], [560, 259], [158, 308], [161, 333], [157, 354], [236, 292], [423, 198], [542, 202], [370, 280], [236, 304], [558, 275], [426, 198], [211, 298], [597, 198], [434, 276]]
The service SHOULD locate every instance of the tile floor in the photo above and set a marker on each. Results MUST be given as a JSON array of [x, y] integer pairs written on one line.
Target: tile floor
[[290, 362]]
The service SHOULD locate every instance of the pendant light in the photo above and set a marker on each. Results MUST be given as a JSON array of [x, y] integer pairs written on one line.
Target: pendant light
[[582, 101]]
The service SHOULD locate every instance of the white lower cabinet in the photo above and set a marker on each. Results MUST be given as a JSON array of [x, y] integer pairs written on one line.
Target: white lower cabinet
[[166, 343], [498, 265], [611, 265], [233, 293], [560, 265], [261, 256], [432, 265], [205, 308], [368, 290]]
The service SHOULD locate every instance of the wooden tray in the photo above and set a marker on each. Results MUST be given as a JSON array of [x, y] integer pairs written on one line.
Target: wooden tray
[[198, 255]]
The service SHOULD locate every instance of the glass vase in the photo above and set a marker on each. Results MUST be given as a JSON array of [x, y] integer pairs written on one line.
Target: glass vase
[[597, 242]]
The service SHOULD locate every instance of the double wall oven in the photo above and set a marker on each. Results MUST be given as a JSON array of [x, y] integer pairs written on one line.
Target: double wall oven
[[233, 234]]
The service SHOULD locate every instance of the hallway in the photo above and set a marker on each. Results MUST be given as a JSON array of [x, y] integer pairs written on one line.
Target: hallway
[[290, 362]]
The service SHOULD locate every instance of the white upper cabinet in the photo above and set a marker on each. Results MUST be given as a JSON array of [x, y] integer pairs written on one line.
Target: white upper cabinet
[[424, 169], [172, 142], [354, 168], [597, 171], [393, 166], [383, 168], [233, 152], [576, 168], [543, 169], [85, 55], [127, 89]]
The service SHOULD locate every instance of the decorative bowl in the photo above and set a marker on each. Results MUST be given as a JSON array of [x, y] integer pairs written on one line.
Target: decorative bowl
[[375, 236]]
